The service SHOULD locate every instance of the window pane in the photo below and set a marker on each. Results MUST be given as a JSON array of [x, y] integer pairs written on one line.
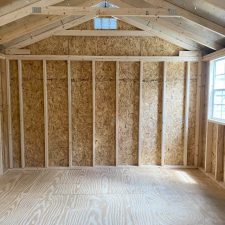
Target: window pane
[[223, 112], [113, 24], [97, 23], [217, 111], [219, 82], [220, 67]]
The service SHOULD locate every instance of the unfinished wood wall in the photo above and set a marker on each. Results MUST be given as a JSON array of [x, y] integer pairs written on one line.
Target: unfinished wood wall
[[82, 126], [33, 102], [114, 106]]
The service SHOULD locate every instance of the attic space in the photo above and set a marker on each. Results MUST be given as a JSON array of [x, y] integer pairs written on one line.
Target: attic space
[[112, 112]]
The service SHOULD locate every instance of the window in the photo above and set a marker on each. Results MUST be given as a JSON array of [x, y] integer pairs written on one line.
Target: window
[[217, 90], [105, 24]]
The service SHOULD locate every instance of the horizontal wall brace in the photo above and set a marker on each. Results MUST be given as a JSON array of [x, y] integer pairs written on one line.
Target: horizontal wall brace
[[105, 58], [91, 11]]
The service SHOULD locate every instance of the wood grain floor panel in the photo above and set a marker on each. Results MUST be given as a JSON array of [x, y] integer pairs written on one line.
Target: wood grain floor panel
[[110, 196]]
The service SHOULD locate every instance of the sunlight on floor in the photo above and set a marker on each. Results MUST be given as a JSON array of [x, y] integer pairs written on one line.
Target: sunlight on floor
[[185, 177]]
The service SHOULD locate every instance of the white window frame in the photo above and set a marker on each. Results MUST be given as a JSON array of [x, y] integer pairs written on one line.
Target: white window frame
[[212, 74], [102, 28]]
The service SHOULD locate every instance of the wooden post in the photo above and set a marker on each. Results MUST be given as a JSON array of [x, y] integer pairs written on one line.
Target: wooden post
[[1, 120], [186, 119], [117, 113], [197, 117], [45, 111], [140, 114], [70, 113], [208, 148], [219, 153], [163, 145], [9, 114], [93, 105], [20, 80]]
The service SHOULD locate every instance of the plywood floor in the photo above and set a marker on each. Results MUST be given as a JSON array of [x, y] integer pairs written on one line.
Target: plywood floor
[[106, 196]]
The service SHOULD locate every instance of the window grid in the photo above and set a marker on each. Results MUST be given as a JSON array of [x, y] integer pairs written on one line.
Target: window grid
[[105, 23], [218, 90]]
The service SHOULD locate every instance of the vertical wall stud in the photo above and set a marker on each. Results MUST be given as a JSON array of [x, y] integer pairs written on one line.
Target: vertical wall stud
[[45, 110], [208, 147], [186, 118], [163, 141], [219, 153], [197, 118], [9, 114], [70, 113], [20, 79], [117, 113], [93, 106], [140, 114]]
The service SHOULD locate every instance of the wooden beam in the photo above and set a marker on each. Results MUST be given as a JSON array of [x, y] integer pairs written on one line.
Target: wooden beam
[[140, 113], [8, 77], [92, 11], [40, 36], [208, 148], [186, 115], [220, 153], [70, 113], [214, 55], [190, 53], [34, 27], [93, 108], [190, 16], [163, 132], [45, 88], [20, 82], [162, 32], [105, 58], [117, 112], [16, 51], [103, 33], [25, 11], [197, 117], [2, 56]]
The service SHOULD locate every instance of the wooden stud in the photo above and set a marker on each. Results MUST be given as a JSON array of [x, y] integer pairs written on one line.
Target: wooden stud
[[9, 114], [93, 106], [208, 147], [117, 112], [70, 113], [1, 120], [45, 111], [197, 117], [140, 114], [186, 118], [219, 153], [163, 141], [20, 81]]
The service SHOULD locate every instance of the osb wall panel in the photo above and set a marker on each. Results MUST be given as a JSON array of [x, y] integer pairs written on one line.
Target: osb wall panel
[[111, 46], [105, 111], [192, 112], [82, 123], [15, 114], [51, 46], [175, 92], [58, 133], [214, 146], [89, 25], [128, 112], [152, 113], [154, 46], [33, 113]]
